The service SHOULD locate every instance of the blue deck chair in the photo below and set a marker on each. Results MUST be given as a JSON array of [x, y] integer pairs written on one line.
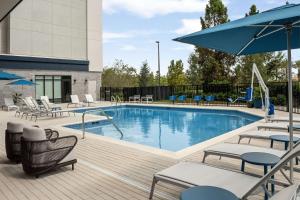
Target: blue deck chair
[[182, 98], [209, 99], [247, 97], [172, 98], [271, 110], [197, 99]]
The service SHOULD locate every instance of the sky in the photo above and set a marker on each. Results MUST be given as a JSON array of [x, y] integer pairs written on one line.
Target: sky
[[132, 27]]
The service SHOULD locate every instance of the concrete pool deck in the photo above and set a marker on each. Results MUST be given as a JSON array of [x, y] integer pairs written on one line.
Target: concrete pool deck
[[108, 169]]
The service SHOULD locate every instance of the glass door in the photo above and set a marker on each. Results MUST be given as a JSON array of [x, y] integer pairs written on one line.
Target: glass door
[[66, 88]]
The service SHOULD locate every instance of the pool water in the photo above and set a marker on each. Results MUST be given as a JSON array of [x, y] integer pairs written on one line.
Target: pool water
[[166, 128]]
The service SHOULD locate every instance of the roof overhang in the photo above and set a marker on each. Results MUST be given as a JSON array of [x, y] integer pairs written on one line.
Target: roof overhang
[[6, 6]]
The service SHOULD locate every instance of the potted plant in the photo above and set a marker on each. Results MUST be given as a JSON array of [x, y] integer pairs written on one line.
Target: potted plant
[[17, 97]]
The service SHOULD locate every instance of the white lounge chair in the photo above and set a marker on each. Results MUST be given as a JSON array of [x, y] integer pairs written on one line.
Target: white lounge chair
[[30, 109], [53, 112], [243, 185], [51, 105], [135, 98], [9, 104], [75, 101], [147, 98], [88, 99]]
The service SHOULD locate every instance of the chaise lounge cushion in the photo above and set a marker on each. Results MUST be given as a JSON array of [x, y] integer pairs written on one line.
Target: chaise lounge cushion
[[204, 175]]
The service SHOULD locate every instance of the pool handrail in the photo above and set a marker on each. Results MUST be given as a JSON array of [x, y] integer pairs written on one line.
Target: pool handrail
[[103, 113], [115, 99]]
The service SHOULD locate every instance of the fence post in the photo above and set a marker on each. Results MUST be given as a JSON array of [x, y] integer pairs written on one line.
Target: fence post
[[227, 94], [287, 97]]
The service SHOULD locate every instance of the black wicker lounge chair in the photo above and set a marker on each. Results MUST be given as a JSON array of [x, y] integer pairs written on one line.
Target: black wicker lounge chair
[[41, 155], [13, 135]]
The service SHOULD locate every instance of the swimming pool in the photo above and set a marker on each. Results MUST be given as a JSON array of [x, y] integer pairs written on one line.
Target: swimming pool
[[167, 128]]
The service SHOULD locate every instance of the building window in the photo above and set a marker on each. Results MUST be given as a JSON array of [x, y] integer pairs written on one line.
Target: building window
[[57, 88], [39, 89]]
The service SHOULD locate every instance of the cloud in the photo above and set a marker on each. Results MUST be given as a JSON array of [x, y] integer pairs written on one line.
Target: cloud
[[128, 48], [188, 26], [108, 36], [152, 8]]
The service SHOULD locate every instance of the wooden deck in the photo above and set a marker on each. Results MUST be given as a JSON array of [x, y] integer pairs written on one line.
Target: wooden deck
[[104, 171]]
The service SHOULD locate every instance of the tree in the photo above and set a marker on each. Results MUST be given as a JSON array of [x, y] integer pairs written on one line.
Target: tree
[[207, 65], [144, 76], [119, 75], [277, 67], [176, 74], [253, 11]]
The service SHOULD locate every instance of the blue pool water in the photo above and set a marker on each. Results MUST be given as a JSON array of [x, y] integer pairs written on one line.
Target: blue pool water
[[168, 128]]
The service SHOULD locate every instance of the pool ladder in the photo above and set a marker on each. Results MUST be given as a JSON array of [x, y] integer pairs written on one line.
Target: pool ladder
[[115, 99], [101, 111]]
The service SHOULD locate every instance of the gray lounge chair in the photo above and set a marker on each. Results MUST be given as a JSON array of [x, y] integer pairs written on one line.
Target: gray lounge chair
[[282, 119], [263, 135], [243, 185], [236, 150], [281, 126]]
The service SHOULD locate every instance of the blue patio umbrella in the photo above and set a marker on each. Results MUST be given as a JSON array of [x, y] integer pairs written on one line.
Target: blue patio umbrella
[[22, 82], [273, 30], [9, 76]]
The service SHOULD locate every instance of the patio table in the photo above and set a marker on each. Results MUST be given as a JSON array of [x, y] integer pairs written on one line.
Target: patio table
[[207, 193], [283, 138], [261, 159]]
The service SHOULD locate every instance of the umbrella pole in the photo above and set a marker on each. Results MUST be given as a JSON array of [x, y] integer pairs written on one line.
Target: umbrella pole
[[290, 91]]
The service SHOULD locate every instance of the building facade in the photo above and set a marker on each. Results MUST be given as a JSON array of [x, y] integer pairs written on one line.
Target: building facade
[[57, 44]]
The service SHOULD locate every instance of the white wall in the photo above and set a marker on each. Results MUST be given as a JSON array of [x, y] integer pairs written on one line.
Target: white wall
[[94, 17], [49, 28]]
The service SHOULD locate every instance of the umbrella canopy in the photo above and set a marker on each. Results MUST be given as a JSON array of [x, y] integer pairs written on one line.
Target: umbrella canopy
[[8, 76], [22, 82], [251, 34], [273, 30]]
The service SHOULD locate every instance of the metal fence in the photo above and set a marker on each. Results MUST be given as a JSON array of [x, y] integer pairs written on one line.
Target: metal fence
[[278, 93]]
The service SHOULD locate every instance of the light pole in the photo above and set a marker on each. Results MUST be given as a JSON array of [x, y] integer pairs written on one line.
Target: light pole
[[158, 64], [158, 60]]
